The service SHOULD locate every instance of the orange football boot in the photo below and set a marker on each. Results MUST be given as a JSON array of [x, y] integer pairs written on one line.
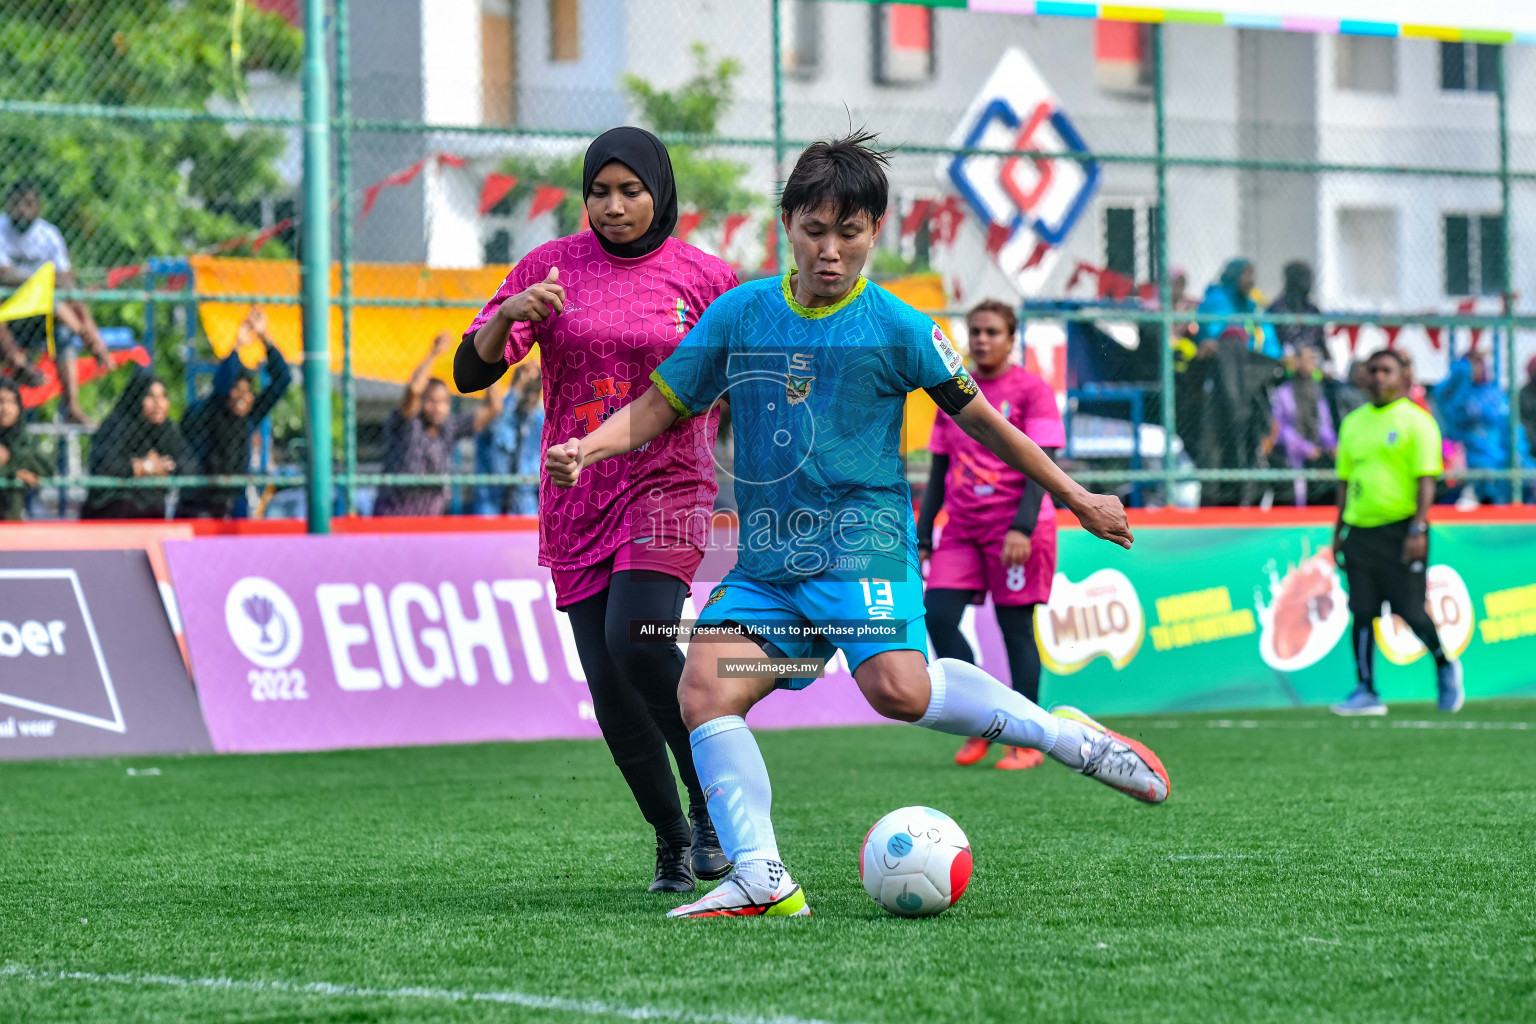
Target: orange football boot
[[1019, 758], [973, 750]]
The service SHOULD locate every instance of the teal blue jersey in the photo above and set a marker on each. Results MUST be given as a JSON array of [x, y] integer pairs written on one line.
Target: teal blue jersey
[[816, 401]]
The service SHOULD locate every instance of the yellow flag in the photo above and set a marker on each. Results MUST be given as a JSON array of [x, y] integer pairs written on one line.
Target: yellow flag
[[33, 298]]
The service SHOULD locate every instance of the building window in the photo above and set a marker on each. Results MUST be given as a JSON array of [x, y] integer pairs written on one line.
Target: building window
[[1365, 63], [498, 247], [1122, 56], [498, 81], [903, 44], [1469, 67], [564, 30], [1368, 254], [800, 37], [1120, 240], [1131, 239], [1474, 254]]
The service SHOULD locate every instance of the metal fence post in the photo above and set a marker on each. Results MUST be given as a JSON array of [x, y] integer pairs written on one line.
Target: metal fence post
[[1164, 284], [316, 268], [1506, 230], [781, 243], [344, 252]]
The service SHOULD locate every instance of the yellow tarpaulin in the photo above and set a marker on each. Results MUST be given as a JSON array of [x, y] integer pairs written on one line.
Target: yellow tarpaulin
[[387, 341], [922, 291]]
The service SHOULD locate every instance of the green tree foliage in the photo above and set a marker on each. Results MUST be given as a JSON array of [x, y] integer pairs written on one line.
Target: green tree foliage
[[704, 183], [122, 190]]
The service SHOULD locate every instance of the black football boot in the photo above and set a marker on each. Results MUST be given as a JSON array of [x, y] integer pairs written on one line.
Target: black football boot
[[709, 861]]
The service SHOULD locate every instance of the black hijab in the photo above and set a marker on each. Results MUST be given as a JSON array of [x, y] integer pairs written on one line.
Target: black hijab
[[125, 433], [644, 154], [10, 434]]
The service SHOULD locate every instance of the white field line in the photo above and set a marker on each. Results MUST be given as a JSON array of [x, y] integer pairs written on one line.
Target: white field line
[[554, 1004], [1352, 723]]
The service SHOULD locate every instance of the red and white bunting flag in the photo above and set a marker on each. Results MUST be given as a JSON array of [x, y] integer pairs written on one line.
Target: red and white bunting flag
[[687, 223], [545, 198], [494, 190], [945, 219], [915, 217], [733, 223]]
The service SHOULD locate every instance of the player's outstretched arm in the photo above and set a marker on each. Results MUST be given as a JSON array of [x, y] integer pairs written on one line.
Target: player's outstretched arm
[[632, 426], [1101, 514]]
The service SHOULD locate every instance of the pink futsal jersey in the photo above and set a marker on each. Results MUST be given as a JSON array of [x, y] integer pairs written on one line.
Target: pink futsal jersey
[[981, 492], [622, 317]]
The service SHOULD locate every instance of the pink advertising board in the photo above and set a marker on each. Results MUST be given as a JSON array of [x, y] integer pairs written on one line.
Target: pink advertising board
[[314, 643]]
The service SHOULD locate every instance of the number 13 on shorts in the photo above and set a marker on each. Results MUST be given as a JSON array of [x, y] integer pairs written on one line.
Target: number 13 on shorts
[[878, 598]]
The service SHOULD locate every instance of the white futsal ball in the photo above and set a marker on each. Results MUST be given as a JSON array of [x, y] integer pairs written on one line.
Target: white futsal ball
[[915, 862]]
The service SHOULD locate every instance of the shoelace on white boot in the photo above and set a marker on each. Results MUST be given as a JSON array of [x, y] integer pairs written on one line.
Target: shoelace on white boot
[[1108, 758]]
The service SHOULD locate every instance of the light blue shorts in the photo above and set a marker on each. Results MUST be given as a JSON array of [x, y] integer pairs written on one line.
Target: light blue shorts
[[816, 617]]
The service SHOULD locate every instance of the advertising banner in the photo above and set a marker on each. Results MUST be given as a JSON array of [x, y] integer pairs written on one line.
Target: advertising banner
[[307, 643], [310, 643], [1483, 21], [88, 664], [1215, 618], [64, 536]]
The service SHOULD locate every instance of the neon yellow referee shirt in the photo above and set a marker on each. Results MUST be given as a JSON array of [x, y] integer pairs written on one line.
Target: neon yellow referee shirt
[[1382, 453]]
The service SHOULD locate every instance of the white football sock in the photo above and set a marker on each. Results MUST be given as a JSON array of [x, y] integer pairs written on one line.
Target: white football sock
[[965, 701], [735, 782]]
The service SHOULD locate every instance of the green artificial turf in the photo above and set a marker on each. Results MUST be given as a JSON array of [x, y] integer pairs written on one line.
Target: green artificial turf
[[1305, 868]]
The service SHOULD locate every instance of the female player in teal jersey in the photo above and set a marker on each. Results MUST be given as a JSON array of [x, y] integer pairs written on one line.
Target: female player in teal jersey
[[817, 367]]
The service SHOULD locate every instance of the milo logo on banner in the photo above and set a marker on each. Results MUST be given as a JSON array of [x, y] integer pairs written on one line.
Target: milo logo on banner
[[1449, 605], [1101, 617]]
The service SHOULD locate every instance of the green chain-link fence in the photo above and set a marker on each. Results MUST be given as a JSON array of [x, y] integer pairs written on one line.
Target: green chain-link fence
[[167, 142]]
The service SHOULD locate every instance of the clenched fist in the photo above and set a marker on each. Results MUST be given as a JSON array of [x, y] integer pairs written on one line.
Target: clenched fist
[[563, 461], [536, 303]]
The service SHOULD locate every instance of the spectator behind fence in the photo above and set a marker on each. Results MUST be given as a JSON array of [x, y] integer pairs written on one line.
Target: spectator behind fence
[[420, 435], [1474, 412], [1233, 296], [1349, 395], [218, 428], [513, 443], [1528, 407], [138, 440], [1296, 298], [524, 498], [1303, 434], [20, 458], [26, 243], [1241, 365]]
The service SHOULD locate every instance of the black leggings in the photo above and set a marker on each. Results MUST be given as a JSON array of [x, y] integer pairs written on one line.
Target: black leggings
[[946, 606], [634, 693]]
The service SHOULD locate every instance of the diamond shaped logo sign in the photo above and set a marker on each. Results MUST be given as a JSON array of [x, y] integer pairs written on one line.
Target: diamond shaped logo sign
[[1028, 205]]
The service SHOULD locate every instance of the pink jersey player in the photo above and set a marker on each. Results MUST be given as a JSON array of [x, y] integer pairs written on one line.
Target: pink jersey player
[[605, 307], [621, 318], [983, 497], [1000, 538]]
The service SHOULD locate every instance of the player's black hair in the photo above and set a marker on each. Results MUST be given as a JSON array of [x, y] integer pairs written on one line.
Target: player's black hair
[[847, 172], [1390, 353], [21, 188]]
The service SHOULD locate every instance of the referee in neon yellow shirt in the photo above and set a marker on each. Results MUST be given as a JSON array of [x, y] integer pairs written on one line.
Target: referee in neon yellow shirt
[[1389, 457]]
